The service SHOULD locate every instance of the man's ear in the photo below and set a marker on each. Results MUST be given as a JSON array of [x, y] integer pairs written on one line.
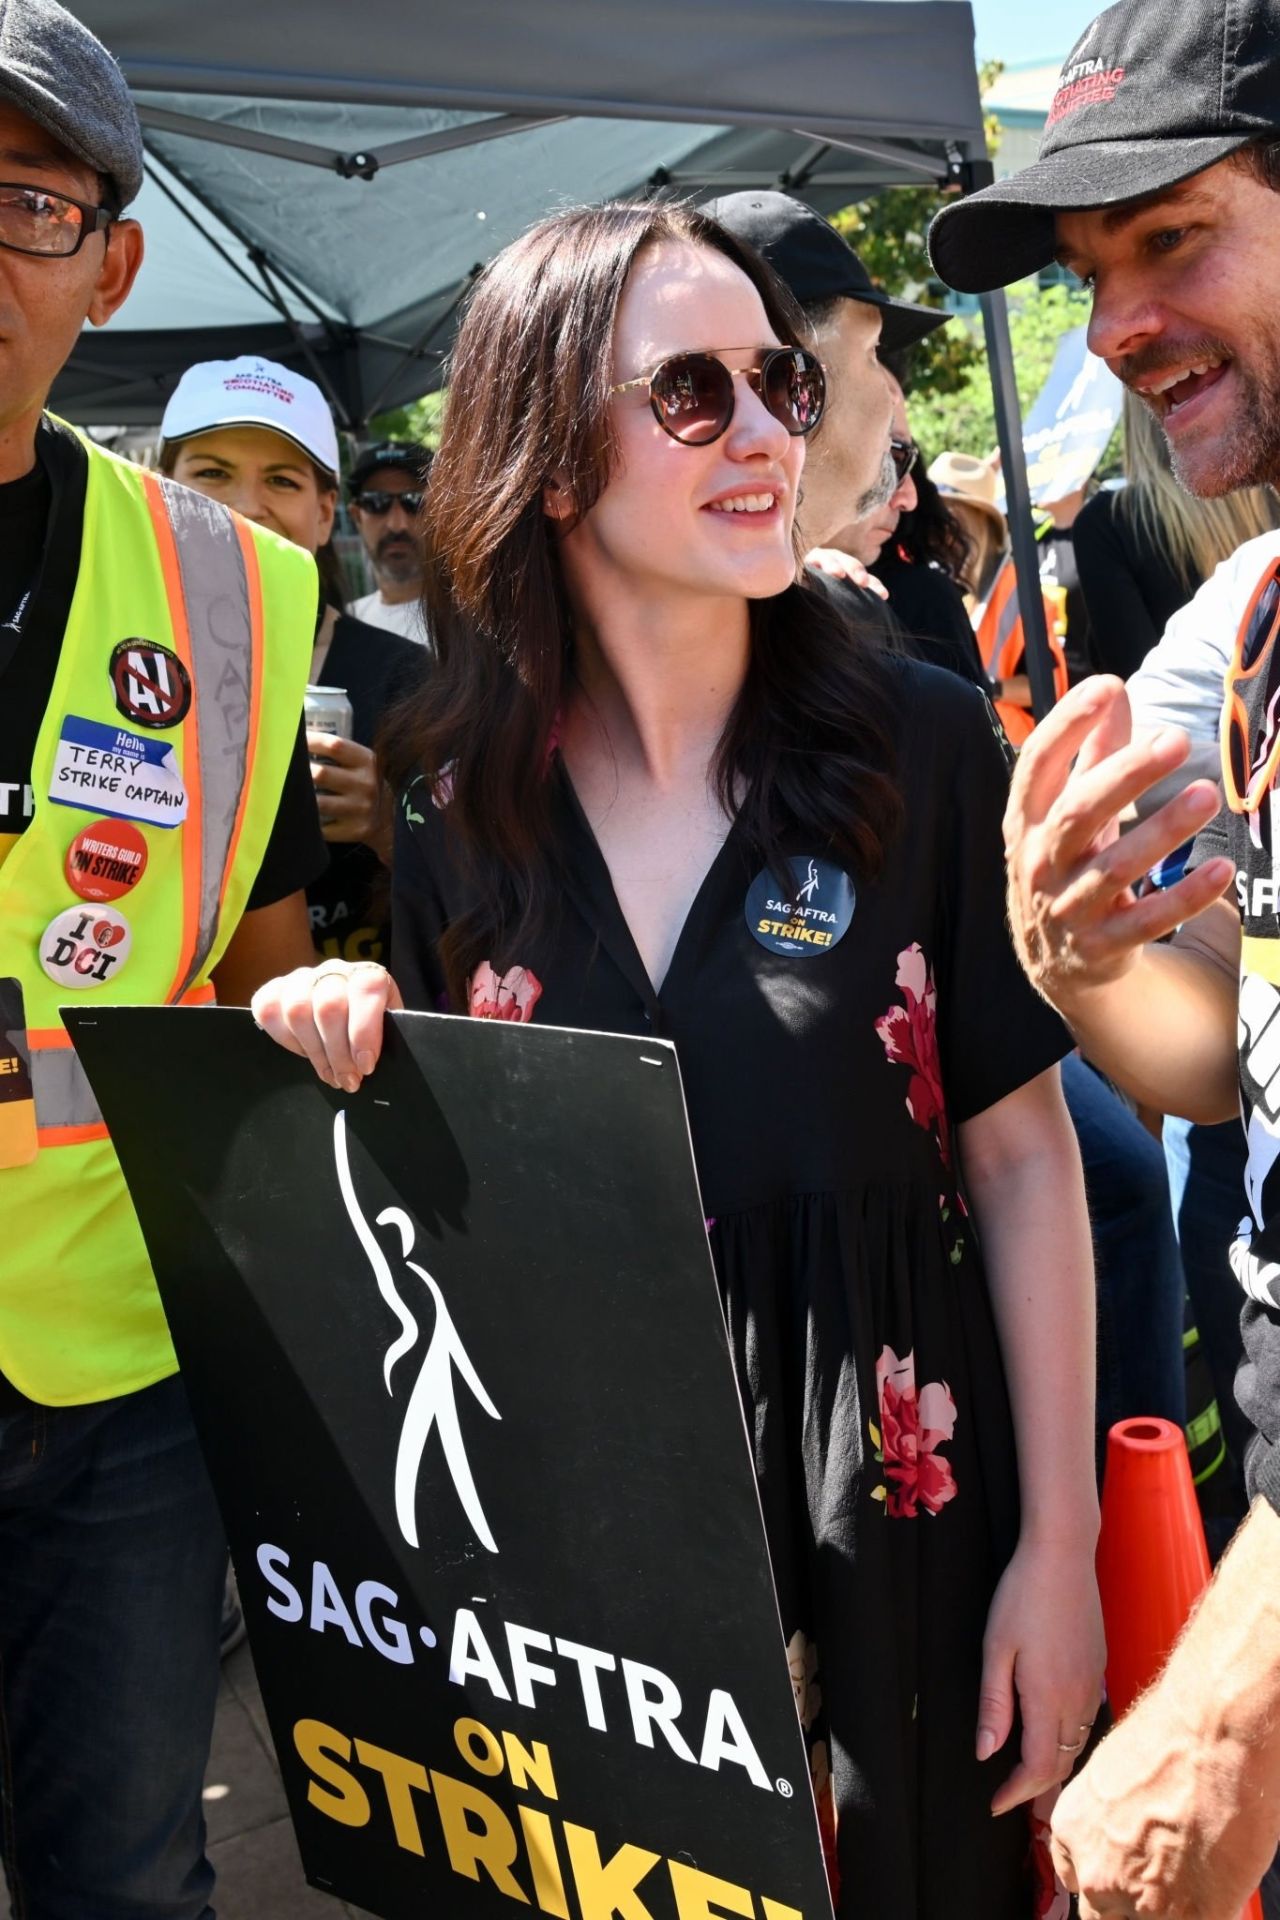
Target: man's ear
[[121, 258], [557, 500]]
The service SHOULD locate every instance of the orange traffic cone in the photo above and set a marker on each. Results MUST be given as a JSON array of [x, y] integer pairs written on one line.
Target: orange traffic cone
[[1153, 1563]]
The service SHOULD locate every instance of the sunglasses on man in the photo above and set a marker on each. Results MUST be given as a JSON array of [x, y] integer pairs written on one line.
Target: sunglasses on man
[[692, 394], [904, 454], [48, 225], [377, 502]]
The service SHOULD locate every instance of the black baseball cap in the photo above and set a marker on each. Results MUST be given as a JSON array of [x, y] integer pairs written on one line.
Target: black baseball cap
[[410, 454], [1153, 92], [811, 258]]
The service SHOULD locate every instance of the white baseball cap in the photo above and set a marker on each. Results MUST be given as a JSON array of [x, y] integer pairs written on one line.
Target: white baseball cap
[[249, 392]]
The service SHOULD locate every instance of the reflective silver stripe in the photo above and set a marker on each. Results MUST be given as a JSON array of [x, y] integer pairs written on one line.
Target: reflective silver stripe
[[1010, 614], [220, 624], [64, 1097]]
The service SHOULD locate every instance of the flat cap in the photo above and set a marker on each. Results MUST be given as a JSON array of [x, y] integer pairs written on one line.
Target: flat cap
[[62, 77]]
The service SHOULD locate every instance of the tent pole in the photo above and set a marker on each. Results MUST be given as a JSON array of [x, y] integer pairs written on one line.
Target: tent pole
[[265, 287], [256, 286], [346, 416], [1022, 535], [420, 345]]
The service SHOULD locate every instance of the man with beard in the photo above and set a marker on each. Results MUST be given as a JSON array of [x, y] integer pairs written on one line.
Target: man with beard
[[1157, 183], [387, 485], [849, 471]]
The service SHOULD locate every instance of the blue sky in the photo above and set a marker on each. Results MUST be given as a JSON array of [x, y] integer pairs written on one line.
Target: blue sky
[[1013, 31]]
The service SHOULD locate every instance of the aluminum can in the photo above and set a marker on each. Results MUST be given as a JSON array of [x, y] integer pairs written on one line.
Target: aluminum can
[[328, 709]]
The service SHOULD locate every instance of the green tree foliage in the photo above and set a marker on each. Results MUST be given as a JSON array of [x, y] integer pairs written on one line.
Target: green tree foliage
[[961, 419], [951, 405], [889, 232], [419, 420]]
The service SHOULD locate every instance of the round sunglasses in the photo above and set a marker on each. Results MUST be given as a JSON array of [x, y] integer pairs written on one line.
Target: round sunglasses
[[692, 394]]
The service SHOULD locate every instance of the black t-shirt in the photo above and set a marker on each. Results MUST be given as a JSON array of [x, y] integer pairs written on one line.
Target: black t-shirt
[[930, 609], [1131, 586], [350, 902], [41, 519]]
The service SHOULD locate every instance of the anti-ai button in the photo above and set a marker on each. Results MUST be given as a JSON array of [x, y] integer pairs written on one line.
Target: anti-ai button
[[151, 685], [85, 946], [810, 916]]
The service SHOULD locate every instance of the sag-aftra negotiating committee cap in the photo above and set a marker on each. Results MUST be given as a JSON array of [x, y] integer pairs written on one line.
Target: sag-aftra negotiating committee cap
[[1152, 92]]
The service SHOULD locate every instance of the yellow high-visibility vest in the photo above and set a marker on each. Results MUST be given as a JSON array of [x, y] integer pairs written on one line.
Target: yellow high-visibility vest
[[80, 1318]]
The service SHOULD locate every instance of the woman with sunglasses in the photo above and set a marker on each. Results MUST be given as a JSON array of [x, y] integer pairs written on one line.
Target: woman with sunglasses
[[642, 717]]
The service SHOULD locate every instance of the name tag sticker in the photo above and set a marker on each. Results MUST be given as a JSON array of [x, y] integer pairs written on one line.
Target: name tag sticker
[[109, 770], [17, 1101]]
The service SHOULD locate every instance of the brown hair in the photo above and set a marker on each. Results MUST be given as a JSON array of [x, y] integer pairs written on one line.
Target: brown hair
[[1260, 158], [808, 743]]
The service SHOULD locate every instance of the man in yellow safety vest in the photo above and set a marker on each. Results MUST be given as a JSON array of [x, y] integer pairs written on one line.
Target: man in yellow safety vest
[[157, 829]]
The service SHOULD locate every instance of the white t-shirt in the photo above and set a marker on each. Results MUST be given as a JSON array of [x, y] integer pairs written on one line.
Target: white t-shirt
[[404, 618], [1181, 681]]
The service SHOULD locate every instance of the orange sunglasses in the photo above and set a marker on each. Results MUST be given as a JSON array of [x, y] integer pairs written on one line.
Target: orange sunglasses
[[1245, 789]]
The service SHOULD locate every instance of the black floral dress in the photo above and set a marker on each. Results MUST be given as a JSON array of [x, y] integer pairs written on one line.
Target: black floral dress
[[830, 1044]]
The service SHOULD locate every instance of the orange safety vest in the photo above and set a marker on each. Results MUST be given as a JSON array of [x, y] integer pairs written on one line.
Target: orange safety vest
[[1003, 646]]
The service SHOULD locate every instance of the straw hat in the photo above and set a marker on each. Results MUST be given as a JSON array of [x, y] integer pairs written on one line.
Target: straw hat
[[961, 477]]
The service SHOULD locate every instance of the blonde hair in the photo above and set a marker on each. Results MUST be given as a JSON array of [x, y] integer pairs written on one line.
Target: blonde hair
[[1195, 534]]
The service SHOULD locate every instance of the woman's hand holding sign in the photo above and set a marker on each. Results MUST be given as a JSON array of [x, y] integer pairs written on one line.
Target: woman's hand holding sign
[[331, 1015]]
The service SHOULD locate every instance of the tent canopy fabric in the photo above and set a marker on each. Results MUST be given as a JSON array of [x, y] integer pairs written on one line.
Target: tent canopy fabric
[[322, 183]]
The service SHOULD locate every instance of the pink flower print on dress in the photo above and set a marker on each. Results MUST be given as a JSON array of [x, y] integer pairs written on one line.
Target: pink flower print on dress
[[513, 997], [912, 1428], [909, 1034], [802, 1664]]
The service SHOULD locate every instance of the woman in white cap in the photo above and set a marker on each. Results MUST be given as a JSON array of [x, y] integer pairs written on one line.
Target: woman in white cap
[[260, 438]]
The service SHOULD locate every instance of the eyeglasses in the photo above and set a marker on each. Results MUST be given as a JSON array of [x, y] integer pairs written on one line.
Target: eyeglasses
[[692, 397], [377, 503], [1243, 784], [904, 454], [52, 225]]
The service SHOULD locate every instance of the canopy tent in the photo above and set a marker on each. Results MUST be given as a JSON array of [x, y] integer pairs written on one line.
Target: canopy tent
[[324, 181]]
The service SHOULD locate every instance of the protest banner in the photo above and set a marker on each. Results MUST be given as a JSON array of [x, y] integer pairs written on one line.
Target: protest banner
[[1073, 417], [455, 1352]]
